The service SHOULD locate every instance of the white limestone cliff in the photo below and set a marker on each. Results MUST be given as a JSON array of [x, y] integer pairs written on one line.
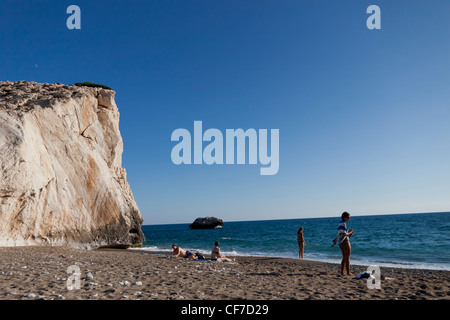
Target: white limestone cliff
[[61, 175]]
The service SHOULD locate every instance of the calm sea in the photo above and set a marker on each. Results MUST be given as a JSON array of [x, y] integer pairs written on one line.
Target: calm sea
[[402, 240]]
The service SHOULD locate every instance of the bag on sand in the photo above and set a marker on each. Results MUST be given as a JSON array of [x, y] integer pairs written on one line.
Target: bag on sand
[[365, 275], [199, 256]]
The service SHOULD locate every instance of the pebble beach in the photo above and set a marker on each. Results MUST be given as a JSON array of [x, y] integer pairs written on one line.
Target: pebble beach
[[41, 273]]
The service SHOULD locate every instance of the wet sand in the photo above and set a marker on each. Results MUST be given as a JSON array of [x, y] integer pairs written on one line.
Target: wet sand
[[32, 273]]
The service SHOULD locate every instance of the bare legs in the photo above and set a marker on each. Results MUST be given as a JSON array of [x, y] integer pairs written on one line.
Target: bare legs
[[346, 250], [300, 251], [226, 259]]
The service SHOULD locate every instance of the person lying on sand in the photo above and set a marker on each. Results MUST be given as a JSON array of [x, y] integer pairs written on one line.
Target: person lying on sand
[[178, 252], [215, 254]]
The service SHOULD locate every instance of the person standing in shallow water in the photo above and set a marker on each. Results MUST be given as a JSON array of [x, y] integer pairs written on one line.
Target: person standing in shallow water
[[344, 242], [301, 242]]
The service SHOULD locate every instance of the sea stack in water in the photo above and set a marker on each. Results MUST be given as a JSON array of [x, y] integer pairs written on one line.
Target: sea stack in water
[[206, 223], [62, 181]]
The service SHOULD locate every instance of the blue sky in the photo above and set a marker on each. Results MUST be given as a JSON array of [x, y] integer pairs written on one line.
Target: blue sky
[[363, 114]]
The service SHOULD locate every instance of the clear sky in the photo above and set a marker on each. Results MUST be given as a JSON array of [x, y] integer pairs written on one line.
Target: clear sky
[[363, 114]]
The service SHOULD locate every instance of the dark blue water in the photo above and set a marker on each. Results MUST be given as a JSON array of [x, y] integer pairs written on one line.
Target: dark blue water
[[403, 240]]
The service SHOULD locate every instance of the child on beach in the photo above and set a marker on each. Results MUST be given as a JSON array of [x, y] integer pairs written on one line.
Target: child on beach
[[301, 242], [215, 254]]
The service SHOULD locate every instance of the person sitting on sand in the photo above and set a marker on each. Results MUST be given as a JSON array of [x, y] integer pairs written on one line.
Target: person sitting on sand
[[343, 240], [178, 252], [301, 242], [215, 254]]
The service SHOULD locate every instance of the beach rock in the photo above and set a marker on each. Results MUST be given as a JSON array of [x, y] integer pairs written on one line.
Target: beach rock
[[206, 223], [89, 276], [91, 284], [61, 177]]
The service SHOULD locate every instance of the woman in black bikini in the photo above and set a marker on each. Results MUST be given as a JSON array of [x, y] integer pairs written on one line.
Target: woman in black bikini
[[301, 242], [215, 254]]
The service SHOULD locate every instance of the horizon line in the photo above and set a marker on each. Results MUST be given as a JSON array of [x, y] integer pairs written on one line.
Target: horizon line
[[363, 215]]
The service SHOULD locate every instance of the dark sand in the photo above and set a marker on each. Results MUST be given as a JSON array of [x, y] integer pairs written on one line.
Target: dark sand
[[41, 273]]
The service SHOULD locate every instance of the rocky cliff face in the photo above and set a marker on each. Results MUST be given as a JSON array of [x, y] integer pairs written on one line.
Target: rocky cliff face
[[61, 175]]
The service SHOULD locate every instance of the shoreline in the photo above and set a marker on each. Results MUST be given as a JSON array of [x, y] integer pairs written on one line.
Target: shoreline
[[32, 273], [356, 262]]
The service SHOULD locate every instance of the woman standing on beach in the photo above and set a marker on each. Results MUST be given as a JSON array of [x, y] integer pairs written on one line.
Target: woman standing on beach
[[343, 240], [301, 242]]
